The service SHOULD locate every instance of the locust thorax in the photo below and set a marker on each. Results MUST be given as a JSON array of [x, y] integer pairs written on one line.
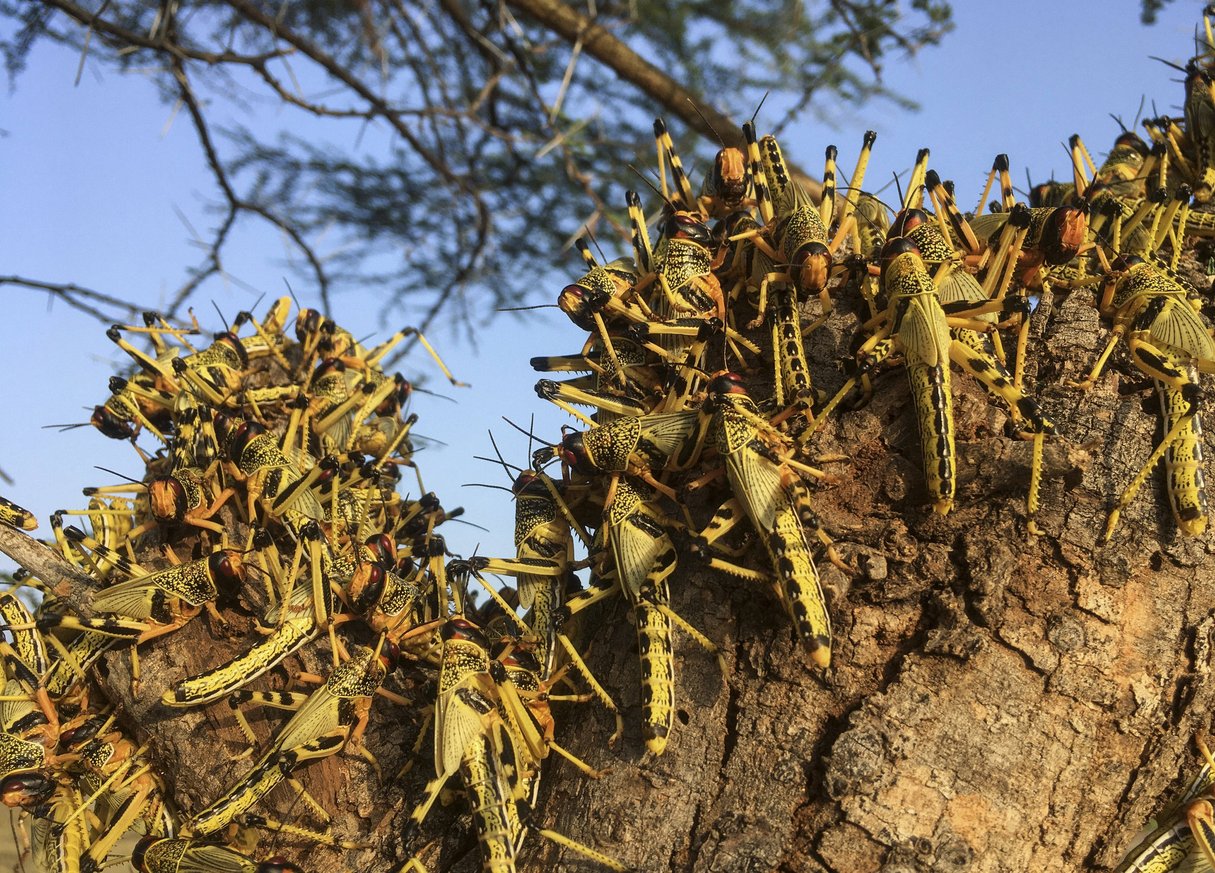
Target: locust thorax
[[895, 248], [906, 221], [229, 342]]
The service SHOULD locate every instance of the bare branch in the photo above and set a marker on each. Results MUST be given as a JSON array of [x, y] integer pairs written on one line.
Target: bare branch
[[59, 577], [75, 296]]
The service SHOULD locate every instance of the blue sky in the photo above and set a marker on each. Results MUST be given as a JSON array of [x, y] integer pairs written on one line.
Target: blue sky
[[95, 176]]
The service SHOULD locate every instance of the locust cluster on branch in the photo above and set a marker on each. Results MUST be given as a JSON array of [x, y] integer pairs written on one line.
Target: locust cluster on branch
[[274, 489]]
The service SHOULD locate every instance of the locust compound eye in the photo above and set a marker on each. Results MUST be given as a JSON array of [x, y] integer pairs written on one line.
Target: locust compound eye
[[307, 323], [110, 424], [141, 849], [907, 221], [578, 303], [25, 790], [383, 547], [230, 340], [277, 864], [224, 426], [397, 399], [574, 453], [462, 629], [367, 587], [226, 566]]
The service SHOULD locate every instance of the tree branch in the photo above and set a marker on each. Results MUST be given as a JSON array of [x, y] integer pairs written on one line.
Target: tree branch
[[56, 574], [74, 296], [598, 42]]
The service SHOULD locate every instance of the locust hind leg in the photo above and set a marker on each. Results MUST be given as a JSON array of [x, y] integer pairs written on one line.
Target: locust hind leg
[[1186, 410], [968, 351]]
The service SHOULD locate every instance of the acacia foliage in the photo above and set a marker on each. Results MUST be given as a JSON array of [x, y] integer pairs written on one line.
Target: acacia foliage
[[441, 150]]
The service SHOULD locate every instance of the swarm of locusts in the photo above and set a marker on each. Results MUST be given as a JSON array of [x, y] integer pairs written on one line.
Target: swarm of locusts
[[282, 468]]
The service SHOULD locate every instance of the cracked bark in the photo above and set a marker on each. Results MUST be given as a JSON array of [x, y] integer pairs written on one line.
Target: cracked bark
[[996, 701]]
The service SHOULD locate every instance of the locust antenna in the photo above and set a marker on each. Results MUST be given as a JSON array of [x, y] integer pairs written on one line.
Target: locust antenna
[[222, 319], [119, 475], [589, 233], [755, 114], [720, 141]]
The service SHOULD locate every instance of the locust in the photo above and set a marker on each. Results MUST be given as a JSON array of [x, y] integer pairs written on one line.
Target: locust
[[916, 325], [120, 780], [134, 404], [544, 553], [293, 623], [793, 260], [768, 490], [1030, 252], [154, 854], [472, 738], [637, 446], [168, 597], [60, 838], [1169, 342], [325, 721], [634, 549], [1184, 836], [977, 351]]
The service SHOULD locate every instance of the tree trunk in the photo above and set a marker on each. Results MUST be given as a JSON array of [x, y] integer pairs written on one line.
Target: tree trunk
[[997, 701]]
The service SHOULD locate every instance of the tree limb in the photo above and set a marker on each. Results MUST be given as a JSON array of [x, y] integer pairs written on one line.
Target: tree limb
[[598, 42]]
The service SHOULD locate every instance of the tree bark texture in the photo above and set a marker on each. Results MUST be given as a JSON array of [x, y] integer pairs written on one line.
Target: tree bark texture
[[996, 701]]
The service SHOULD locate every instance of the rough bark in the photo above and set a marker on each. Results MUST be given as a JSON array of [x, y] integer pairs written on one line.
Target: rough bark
[[997, 701]]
